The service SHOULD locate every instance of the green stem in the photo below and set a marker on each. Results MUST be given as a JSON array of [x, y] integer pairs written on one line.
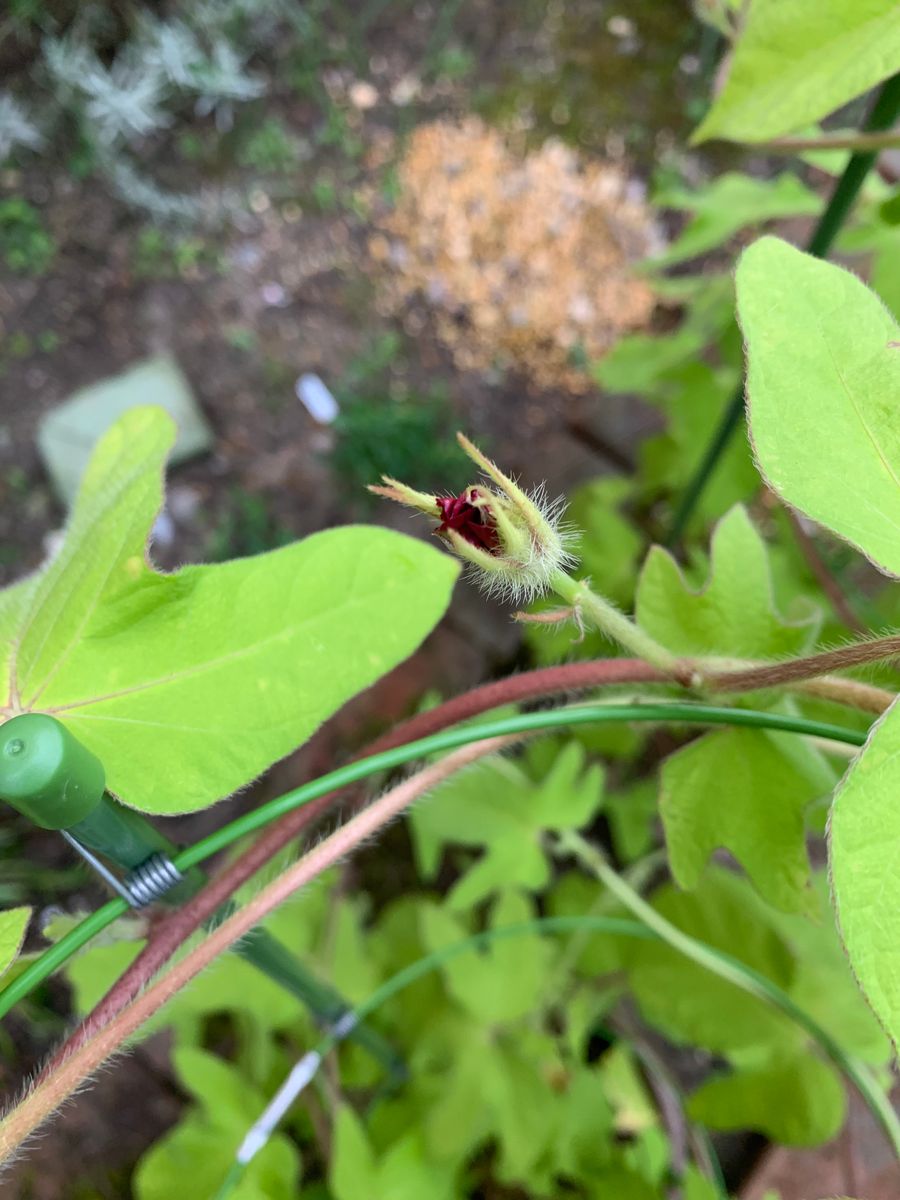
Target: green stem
[[609, 620], [884, 113], [448, 739], [882, 116], [746, 978]]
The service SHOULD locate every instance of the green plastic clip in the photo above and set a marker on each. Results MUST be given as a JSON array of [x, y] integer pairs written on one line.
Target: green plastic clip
[[46, 773], [57, 783]]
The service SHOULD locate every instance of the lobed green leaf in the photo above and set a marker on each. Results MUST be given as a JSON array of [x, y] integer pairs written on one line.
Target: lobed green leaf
[[734, 615], [690, 1005], [495, 805], [730, 203], [797, 1101], [740, 790]]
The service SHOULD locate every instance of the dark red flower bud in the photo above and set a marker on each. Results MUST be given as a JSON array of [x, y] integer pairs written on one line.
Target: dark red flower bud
[[470, 520]]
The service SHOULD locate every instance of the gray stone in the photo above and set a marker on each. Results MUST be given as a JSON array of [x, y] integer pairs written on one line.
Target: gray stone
[[68, 434]]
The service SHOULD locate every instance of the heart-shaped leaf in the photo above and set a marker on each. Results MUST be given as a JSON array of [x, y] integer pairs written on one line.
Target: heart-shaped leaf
[[188, 685], [864, 848], [823, 378]]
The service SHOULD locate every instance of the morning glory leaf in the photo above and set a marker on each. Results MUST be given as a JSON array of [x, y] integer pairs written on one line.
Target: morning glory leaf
[[188, 685], [734, 613], [798, 60], [823, 377]]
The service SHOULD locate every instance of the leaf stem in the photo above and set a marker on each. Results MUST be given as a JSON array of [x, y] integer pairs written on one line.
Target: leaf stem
[[864, 696], [741, 975], [888, 140]]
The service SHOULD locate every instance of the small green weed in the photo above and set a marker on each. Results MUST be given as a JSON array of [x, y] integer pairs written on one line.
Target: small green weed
[[160, 255], [242, 338], [269, 149], [387, 429], [25, 245]]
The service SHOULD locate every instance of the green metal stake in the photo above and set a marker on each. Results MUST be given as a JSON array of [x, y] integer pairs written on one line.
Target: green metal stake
[[50, 777], [884, 113]]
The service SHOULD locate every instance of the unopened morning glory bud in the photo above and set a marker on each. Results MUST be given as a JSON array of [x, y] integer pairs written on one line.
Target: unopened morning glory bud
[[513, 539]]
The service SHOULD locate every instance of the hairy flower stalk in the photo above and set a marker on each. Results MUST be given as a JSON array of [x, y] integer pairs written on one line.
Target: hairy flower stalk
[[520, 550]]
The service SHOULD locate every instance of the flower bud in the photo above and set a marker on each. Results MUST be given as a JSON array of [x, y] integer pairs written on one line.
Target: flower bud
[[513, 539]]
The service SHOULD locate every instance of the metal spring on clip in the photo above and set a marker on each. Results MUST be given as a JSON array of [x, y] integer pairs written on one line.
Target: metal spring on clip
[[151, 880], [146, 883]]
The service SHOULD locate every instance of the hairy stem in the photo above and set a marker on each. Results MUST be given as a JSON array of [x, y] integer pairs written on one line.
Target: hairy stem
[[621, 629], [864, 696], [168, 934], [794, 670], [652, 711], [173, 930], [43, 1100], [834, 141]]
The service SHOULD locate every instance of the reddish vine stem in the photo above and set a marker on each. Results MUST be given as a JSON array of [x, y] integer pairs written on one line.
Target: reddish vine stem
[[782, 674], [48, 1093], [173, 930], [169, 933]]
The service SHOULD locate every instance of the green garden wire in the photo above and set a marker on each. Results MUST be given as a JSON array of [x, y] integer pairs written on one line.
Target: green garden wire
[[662, 711], [434, 961], [741, 975], [650, 926]]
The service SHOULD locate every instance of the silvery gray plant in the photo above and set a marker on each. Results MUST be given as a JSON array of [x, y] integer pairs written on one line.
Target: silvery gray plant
[[198, 56]]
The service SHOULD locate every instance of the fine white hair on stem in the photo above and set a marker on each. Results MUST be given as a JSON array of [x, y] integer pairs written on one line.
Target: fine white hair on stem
[[20, 1123]]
